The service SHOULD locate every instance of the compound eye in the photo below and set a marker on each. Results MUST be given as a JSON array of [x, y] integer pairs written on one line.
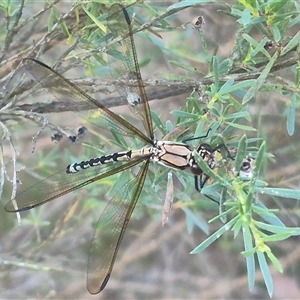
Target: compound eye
[[204, 148], [195, 169]]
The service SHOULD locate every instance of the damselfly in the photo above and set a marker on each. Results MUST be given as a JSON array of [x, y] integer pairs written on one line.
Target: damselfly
[[112, 224]]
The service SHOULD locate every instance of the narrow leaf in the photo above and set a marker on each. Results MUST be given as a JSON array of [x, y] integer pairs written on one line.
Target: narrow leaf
[[279, 229], [249, 259], [265, 272], [241, 152], [260, 80], [275, 261], [214, 236], [240, 126], [279, 192], [95, 20], [290, 113], [294, 42]]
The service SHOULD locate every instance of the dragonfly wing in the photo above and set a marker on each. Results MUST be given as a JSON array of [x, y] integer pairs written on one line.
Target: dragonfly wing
[[66, 92], [124, 64], [62, 183], [110, 230]]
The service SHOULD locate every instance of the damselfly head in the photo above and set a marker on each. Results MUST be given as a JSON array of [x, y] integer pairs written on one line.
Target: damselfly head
[[204, 147], [206, 152]]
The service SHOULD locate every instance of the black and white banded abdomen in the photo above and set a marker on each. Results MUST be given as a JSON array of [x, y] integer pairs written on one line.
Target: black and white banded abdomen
[[105, 159]]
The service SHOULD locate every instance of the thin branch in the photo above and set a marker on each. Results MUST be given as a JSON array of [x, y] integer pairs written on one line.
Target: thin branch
[[14, 180]]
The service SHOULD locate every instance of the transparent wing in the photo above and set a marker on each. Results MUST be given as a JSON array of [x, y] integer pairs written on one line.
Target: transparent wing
[[63, 90], [110, 230], [124, 65], [62, 183]]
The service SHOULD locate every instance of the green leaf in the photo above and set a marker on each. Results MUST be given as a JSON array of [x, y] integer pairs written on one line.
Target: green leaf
[[274, 261], [237, 227], [294, 42], [192, 219], [169, 126], [240, 126], [222, 211], [157, 121], [277, 237], [214, 236], [276, 33], [160, 176], [95, 20], [224, 66], [290, 113], [240, 114], [186, 3], [226, 87], [292, 231], [54, 15], [184, 114], [265, 272], [245, 17], [215, 65], [250, 262], [257, 45], [223, 215], [260, 158], [241, 152], [279, 192], [240, 85], [267, 214], [260, 80], [119, 140]]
